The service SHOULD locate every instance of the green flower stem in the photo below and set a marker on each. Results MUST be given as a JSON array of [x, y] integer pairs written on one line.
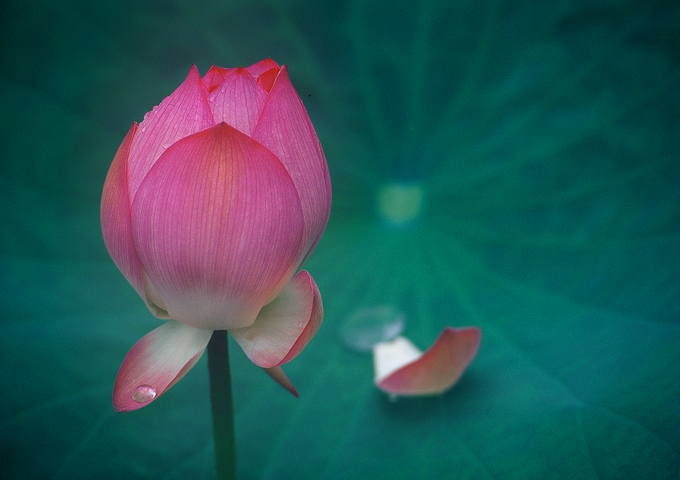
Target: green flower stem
[[222, 405]]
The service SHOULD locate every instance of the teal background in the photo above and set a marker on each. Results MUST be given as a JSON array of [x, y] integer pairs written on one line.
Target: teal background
[[544, 137]]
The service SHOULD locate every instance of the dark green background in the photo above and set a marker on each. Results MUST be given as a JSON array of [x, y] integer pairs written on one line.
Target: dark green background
[[545, 138]]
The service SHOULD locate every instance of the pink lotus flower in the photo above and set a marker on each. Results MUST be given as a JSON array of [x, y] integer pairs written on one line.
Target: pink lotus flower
[[209, 208]]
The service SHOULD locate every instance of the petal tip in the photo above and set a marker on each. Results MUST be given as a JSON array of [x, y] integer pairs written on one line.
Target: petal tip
[[282, 379]]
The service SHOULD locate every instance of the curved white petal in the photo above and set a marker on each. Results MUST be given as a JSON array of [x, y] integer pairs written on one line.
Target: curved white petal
[[156, 362], [284, 326]]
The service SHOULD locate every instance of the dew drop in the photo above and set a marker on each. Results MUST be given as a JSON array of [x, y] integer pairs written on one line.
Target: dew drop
[[144, 393], [368, 326]]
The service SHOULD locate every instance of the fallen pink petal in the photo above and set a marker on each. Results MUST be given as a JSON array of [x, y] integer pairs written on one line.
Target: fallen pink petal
[[401, 369]]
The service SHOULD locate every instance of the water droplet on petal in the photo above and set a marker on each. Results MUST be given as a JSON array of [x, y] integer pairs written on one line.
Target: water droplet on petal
[[144, 393], [368, 326]]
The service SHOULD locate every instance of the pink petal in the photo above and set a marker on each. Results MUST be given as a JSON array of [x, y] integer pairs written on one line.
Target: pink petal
[[286, 130], [238, 101], [217, 223], [116, 218], [281, 378], [438, 368], [267, 79], [284, 326], [157, 362], [214, 77], [262, 66], [184, 112]]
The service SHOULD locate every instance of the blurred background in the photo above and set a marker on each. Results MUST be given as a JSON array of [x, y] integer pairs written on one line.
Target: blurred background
[[507, 164]]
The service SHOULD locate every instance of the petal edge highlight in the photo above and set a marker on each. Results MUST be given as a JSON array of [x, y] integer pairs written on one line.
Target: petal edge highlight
[[157, 362]]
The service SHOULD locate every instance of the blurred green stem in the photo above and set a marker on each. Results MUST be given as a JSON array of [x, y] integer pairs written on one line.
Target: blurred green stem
[[222, 405]]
